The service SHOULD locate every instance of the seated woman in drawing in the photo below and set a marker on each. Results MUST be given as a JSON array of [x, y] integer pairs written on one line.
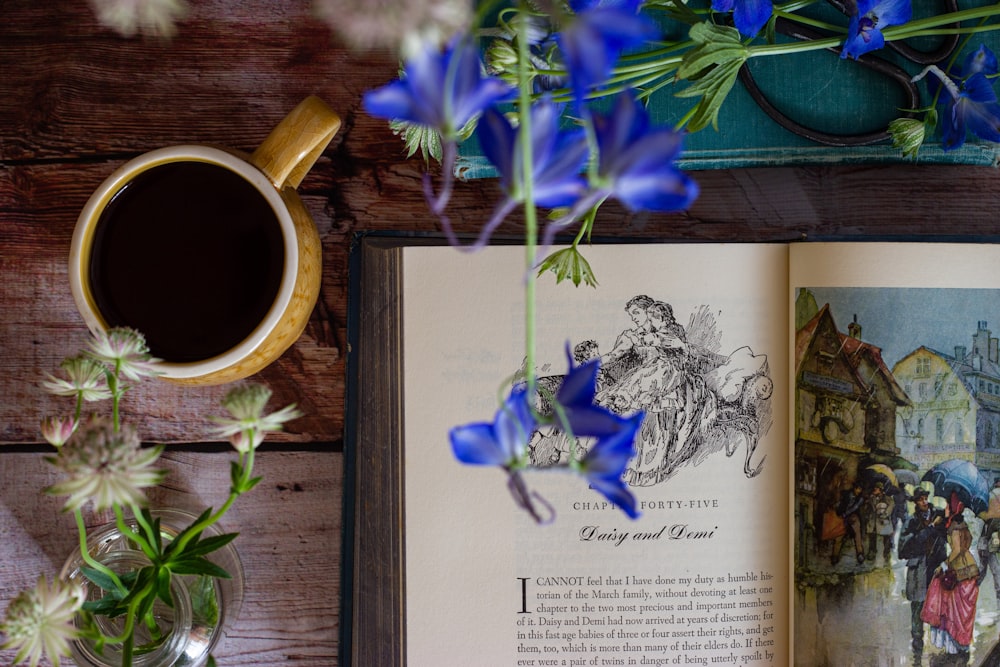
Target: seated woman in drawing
[[651, 384]]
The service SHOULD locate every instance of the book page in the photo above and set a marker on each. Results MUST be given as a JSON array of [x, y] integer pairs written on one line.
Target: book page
[[701, 577], [896, 425]]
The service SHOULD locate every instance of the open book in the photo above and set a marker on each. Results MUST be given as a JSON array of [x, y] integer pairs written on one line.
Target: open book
[[807, 372]]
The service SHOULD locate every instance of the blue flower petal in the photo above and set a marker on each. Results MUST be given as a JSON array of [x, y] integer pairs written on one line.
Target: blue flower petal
[[580, 385], [501, 443], [984, 121], [980, 60], [609, 455], [443, 90], [750, 16], [497, 139], [476, 444], [635, 160], [618, 493], [594, 39], [892, 12]]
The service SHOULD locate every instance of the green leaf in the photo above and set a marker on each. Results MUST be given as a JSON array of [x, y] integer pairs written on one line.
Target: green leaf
[[208, 545], [211, 661], [108, 606], [183, 535], [250, 483], [713, 89], [99, 578], [569, 263], [163, 577], [420, 138], [714, 45], [712, 66], [143, 584], [198, 565]]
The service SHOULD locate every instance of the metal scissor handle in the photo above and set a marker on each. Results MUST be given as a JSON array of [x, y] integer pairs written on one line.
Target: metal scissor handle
[[876, 63]]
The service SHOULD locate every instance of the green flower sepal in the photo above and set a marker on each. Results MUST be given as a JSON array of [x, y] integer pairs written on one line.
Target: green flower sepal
[[569, 264]]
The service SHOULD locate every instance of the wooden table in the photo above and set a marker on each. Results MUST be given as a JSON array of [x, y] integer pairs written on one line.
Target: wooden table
[[76, 101]]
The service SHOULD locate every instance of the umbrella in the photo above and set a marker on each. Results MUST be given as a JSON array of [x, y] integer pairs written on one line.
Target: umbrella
[[881, 469], [964, 478], [907, 476]]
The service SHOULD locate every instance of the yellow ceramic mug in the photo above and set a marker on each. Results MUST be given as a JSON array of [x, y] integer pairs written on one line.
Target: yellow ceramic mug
[[207, 251]]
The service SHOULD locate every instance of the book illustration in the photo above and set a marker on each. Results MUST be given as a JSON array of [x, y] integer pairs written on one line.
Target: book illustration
[[697, 401], [897, 469]]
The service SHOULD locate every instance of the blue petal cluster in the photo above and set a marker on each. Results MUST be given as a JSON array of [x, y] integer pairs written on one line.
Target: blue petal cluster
[[637, 160], [968, 103], [594, 38], [441, 89], [558, 156], [504, 441], [749, 16], [864, 33]]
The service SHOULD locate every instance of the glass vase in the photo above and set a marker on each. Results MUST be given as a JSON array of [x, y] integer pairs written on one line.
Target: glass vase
[[190, 629]]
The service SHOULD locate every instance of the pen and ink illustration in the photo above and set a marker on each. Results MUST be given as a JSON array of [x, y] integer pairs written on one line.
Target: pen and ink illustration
[[897, 477], [697, 401]]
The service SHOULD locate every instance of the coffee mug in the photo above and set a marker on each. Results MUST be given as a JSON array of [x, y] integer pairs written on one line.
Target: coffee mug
[[207, 251]]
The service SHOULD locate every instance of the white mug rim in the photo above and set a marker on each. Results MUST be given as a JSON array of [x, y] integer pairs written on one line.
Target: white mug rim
[[87, 220]]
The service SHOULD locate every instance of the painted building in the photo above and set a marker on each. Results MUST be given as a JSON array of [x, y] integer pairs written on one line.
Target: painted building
[[846, 405], [955, 411]]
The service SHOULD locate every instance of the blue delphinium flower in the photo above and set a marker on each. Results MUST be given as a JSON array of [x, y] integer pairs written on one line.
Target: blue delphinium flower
[[604, 465], [749, 16], [636, 160], [441, 89], [864, 32], [502, 442], [967, 101], [594, 38], [557, 155], [575, 399]]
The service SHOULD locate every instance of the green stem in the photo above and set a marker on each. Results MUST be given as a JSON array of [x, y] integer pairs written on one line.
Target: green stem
[[153, 539], [530, 214], [246, 466], [913, 28], [81, 529], [131, 534]]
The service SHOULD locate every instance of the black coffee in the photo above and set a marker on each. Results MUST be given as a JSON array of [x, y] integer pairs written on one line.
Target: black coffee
[[191, 255]]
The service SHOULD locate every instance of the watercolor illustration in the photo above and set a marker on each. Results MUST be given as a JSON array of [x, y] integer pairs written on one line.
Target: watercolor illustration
[[897, 477]]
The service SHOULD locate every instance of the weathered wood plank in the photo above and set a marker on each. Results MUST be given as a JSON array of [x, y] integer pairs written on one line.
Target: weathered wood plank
[[289, 544]]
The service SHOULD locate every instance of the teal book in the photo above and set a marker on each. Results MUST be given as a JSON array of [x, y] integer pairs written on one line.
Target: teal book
[[817, 89]]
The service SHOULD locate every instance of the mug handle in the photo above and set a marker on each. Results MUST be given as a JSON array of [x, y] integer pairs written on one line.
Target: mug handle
[[294, 145]]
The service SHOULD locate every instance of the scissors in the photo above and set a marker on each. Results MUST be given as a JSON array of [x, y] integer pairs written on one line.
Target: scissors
[[882, 66]]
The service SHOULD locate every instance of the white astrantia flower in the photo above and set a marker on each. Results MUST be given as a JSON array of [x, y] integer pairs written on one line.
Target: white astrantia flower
[[85, 378], [126, 350], [105, 466], [246, 404], [39, 621], [155, 18], [394, 24]]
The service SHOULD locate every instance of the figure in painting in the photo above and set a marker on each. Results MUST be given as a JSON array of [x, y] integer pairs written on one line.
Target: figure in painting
[[849, 510], [989, 540], [950, 605], [923, 543], [879, 526]]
